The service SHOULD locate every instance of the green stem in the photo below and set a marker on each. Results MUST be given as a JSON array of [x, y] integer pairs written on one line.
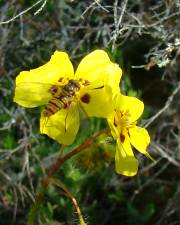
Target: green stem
[[70, 195], [38, 199], [54, 168]]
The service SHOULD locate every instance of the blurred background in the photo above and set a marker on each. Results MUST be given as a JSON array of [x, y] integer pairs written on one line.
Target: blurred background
[[143, 38]]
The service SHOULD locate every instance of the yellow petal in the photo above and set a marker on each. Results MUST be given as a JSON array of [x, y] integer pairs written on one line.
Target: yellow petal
[[91, 65], [131, 104], [112, 78], [97, 66], [32, 86], [125, 162], [32, 94], [58, 66], [62, 126], [96, 101], [140, 139]]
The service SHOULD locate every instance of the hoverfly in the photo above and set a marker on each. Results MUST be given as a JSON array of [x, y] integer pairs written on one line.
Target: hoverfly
[[56, 97], [61, 98]]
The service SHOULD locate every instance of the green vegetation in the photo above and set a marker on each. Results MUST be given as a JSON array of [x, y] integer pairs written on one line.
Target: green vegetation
[[146, 46]]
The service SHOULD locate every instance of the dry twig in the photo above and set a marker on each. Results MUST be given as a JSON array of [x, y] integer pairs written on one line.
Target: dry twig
[[25, 11], [166, 106]]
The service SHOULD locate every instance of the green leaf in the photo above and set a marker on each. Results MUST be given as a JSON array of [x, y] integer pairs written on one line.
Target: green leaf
[[9, 142]]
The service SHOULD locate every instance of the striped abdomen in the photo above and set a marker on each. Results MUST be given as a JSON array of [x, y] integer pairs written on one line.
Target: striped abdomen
[[56, 104], [61, 97]]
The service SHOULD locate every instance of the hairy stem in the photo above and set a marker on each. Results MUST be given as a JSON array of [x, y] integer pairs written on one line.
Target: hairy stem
[[70, 195], [52, 171]]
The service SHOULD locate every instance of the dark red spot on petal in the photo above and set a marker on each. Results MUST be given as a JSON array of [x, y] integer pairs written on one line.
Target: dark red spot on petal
[[85, 98], [122, 138], [53, 90]]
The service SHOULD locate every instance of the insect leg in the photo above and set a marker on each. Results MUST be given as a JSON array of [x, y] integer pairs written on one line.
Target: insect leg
[[65, 128]]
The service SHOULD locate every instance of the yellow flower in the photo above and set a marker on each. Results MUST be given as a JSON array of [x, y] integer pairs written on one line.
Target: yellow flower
[[123, 128], [65, 94]]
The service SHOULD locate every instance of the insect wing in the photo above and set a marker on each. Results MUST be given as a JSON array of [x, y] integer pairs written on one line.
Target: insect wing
[[62, 126]]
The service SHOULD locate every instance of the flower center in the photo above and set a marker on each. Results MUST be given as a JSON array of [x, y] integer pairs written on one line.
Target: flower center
[[68, 87], [63, 94], [122, 120]]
